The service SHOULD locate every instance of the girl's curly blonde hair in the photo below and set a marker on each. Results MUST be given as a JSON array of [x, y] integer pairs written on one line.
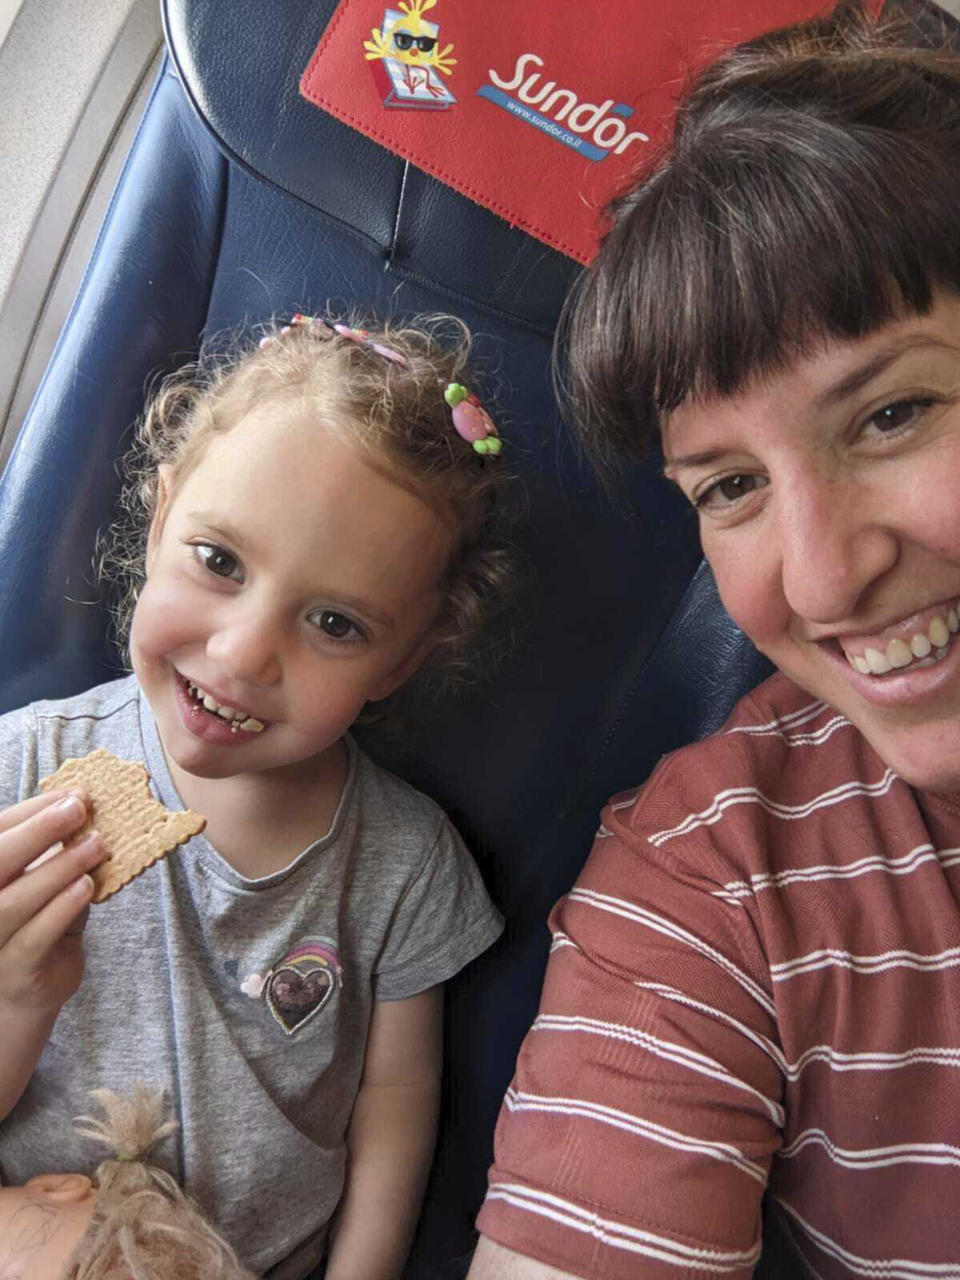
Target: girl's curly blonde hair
[[394, 413]]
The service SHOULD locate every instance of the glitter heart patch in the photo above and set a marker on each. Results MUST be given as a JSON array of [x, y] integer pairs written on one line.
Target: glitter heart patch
[[302, 983]]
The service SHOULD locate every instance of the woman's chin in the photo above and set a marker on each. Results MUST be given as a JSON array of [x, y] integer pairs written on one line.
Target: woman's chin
[[928, 761]]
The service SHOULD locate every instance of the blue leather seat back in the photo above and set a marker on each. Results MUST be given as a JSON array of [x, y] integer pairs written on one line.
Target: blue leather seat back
[[240, 201]]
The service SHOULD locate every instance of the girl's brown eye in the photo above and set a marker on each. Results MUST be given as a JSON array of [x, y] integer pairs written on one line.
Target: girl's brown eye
[[218, 561], [336, 625]]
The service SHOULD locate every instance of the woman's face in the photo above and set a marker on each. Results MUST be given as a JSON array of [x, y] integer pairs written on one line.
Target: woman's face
[[829, 506]]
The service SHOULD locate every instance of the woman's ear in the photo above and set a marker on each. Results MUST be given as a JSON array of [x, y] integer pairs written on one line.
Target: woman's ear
[[164, 492]]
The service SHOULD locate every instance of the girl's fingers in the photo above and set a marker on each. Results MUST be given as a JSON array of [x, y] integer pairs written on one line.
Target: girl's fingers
[[77, 926], [28, 897], [27, 808], [31, 945], [30, 828]]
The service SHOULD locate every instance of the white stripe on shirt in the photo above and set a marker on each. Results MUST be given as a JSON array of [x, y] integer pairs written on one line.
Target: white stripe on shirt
[[801, 716], [815, 738], [666, 1049], [928, 1055], [877, 1268], [872, 1157], [787, 969], [661, 924], [619, 1234], [788, 812], [726, 1152], [735, 890]]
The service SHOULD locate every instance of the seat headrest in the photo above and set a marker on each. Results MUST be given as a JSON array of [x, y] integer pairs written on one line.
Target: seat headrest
[[241, 72]]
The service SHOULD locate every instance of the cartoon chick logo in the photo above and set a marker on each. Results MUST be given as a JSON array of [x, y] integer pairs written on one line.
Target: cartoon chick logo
[[410, 39]]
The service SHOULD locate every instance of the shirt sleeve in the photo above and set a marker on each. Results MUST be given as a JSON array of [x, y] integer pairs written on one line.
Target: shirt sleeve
[[442, 922], [635, 1140], [18, 756]]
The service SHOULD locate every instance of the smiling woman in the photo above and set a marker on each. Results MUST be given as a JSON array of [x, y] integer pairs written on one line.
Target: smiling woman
[[828, 511], [753, 989]]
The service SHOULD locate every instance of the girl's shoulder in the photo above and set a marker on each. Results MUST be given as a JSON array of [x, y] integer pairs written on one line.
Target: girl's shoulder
[[36, 739], [388, 800]]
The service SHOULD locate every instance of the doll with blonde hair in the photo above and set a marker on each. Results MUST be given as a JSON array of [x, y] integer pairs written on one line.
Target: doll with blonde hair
[[132, 1222]]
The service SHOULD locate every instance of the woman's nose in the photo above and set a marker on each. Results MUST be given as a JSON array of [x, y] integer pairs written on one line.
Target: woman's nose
[[834, 545], [246, 645]]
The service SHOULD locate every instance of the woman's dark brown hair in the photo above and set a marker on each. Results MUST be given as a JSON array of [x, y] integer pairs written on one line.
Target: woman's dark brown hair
[[811, 191]]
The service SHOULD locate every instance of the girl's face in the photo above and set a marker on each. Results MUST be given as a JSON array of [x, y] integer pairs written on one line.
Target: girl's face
[[288, 583], [829, 506]]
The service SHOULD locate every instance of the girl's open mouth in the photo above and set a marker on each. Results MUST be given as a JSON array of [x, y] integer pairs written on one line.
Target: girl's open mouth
[[238, 722]]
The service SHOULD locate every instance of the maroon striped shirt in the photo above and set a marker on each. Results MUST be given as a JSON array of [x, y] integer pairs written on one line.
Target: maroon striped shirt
[[754, 986]]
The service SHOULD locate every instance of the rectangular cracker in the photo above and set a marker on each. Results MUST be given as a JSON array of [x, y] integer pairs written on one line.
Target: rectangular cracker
[[136, 830]]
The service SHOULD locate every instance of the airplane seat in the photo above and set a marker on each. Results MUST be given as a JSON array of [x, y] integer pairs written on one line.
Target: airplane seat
[[241, 201]]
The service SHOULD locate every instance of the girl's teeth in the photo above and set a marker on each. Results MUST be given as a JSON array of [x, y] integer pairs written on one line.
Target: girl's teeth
[[250, 724]]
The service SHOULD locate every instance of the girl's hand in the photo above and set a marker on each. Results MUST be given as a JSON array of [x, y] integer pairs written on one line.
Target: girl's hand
[[42, 912]]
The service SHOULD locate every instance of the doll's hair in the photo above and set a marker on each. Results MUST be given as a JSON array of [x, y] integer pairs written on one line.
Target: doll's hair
[[143, 1227], [811, 192], [394, 413]]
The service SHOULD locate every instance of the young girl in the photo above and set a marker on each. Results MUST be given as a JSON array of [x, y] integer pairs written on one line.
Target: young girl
[[318, 524]]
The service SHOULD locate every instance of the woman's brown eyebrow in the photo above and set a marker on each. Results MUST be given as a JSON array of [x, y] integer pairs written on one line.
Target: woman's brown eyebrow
[[848, 385], [705, 459], [858, 378]]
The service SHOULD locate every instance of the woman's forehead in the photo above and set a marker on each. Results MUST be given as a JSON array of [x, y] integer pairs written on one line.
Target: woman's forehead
[[829, 372]]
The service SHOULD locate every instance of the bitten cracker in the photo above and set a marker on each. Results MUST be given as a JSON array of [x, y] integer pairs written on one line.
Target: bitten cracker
[[135, 829]]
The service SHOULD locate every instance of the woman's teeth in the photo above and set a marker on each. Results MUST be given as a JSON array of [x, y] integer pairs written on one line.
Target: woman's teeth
[[933, 644], [236, 719]]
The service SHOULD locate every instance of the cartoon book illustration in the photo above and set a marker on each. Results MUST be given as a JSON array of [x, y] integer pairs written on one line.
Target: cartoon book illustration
[[405, 58]]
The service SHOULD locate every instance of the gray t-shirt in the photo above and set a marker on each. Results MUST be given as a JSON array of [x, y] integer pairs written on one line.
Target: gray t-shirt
[[249, 1000]]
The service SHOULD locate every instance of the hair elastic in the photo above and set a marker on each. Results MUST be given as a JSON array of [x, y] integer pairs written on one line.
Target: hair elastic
[[470, 420]]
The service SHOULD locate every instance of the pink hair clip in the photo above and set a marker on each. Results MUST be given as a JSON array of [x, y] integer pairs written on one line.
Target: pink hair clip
[[298, 321], [471, 420], [361, 336]]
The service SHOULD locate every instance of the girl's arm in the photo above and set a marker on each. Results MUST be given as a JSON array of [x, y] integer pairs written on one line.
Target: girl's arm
[[390, 1139]]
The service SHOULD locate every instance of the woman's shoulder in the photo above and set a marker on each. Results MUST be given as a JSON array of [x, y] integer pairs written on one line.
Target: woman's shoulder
[[776, 736], [739, 799]]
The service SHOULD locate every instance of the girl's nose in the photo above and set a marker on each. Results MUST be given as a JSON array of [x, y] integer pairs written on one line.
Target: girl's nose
[[834, 546], [245, 645]]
